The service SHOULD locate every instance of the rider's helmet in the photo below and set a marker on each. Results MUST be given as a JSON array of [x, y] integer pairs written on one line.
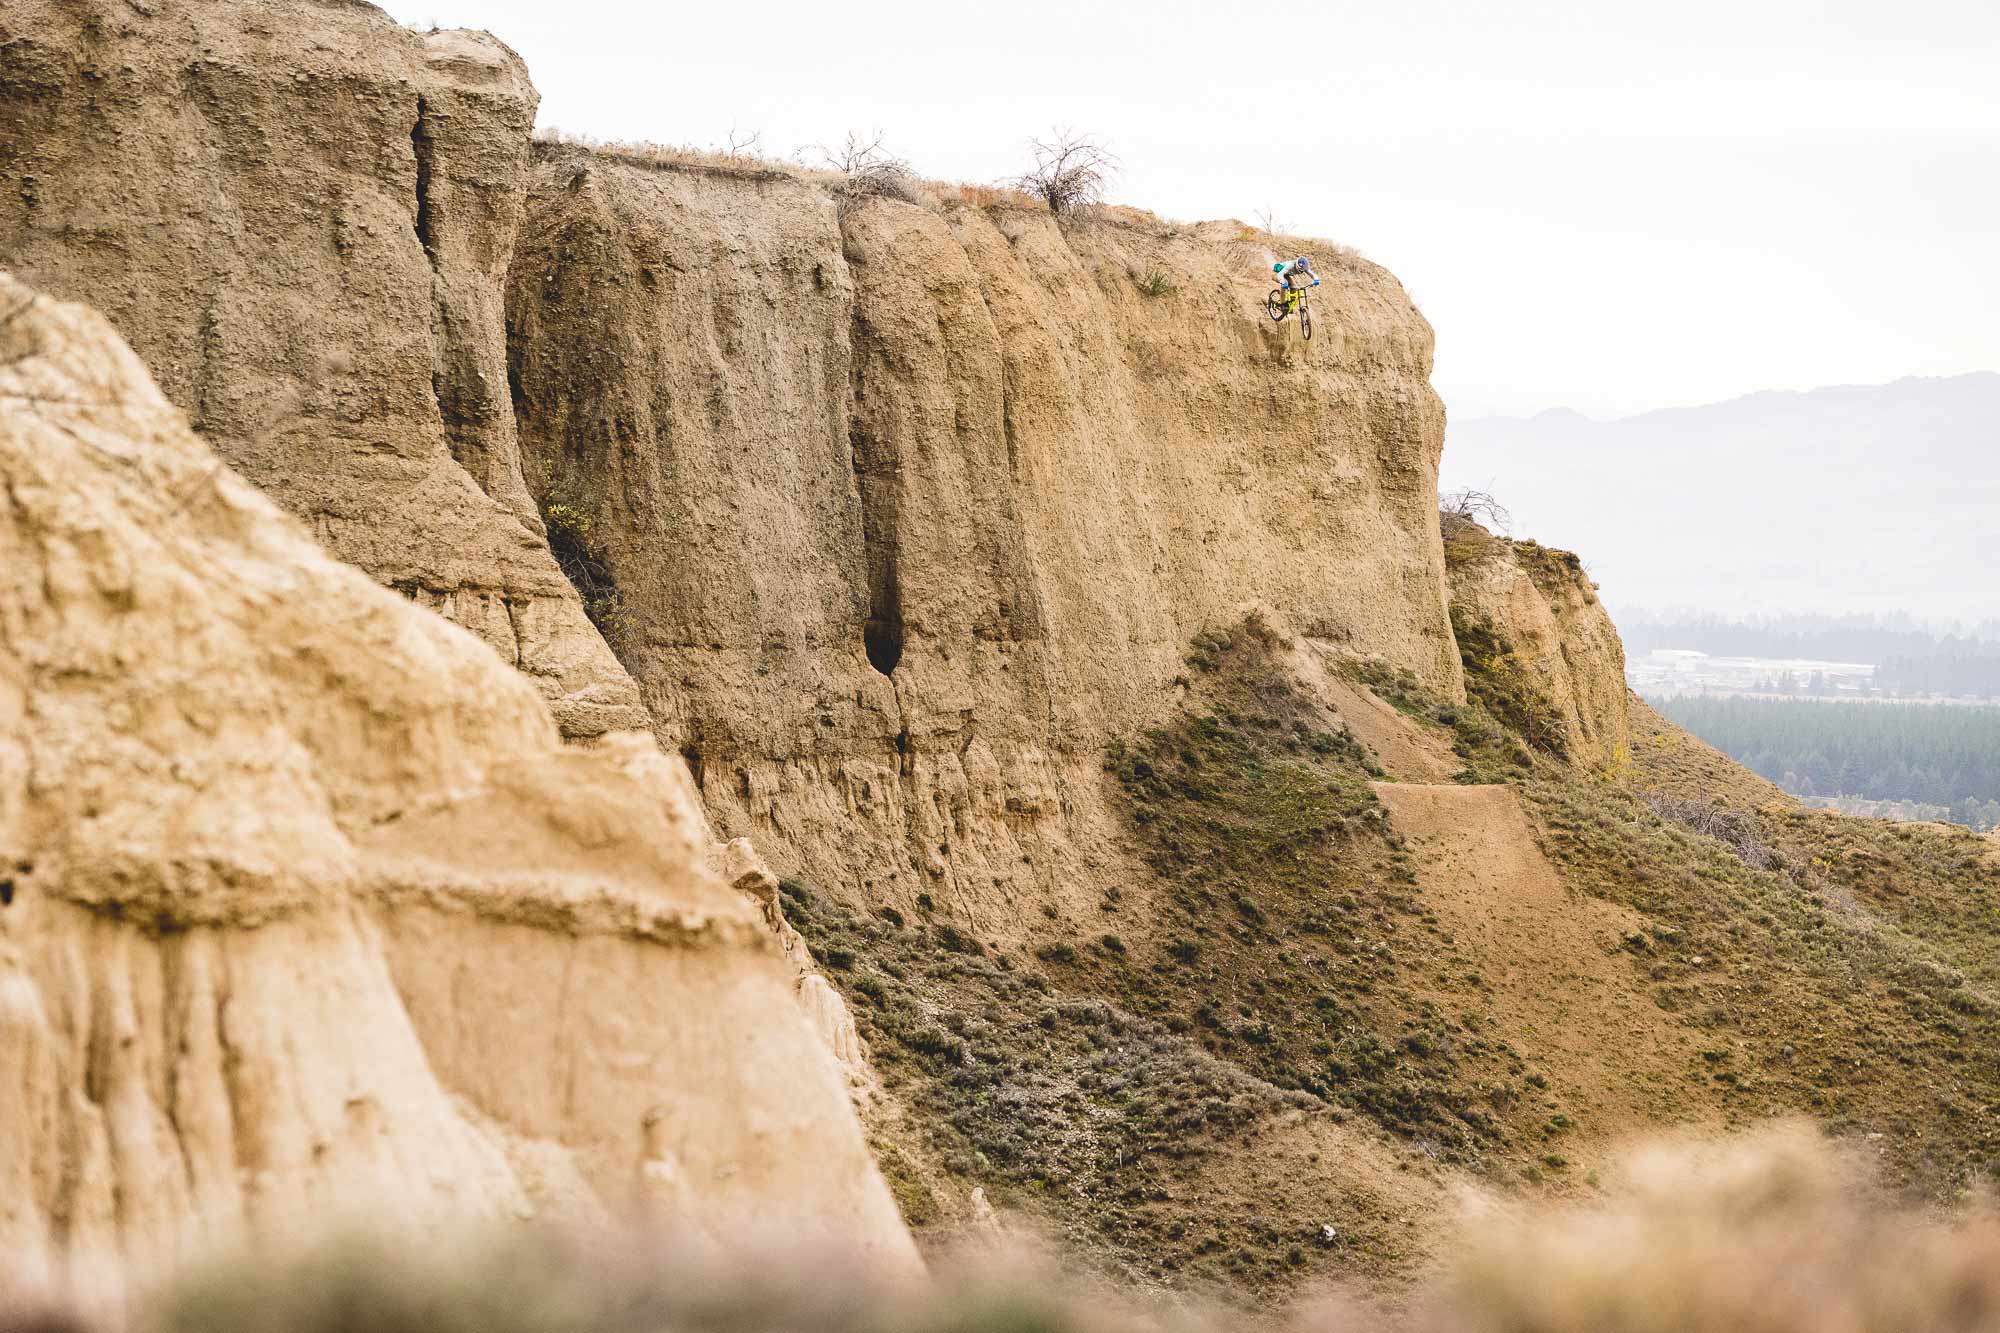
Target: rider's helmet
[[1305, 263]]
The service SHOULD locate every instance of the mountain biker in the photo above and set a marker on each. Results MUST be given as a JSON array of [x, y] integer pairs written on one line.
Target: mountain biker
[[1290, 274]]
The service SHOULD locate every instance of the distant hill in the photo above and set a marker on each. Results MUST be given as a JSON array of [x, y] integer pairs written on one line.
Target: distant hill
[[1857, 638], [1861, 498]]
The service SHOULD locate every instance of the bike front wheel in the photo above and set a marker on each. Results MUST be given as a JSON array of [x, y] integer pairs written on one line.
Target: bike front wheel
[[1275, 304], [1305, 323]]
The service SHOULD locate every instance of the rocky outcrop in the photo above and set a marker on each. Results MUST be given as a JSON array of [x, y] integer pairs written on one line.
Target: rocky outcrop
[[740, 867], [1542, 609], [911, 508], [299, 214], [306, 911]]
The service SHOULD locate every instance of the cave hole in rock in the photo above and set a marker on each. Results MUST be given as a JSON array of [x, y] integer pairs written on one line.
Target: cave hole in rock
[[882, 636], [420, 144], [876, 476]]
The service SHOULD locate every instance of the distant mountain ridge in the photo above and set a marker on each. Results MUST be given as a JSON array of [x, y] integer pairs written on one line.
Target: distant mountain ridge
[[1825, 500]]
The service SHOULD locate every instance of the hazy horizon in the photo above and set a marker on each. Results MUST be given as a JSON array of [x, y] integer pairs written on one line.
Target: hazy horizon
[[1563, 409], [1606, 208], [1848, 500]]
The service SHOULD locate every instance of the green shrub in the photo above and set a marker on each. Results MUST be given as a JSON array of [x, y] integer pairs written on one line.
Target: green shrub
[[583, 562], [1495, 677]]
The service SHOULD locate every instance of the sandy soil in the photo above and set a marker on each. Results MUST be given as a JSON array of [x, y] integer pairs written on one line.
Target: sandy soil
[[1406, 751], [1561, 986]]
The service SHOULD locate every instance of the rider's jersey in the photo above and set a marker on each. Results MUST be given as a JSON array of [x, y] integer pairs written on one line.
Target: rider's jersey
[[1288, 272]]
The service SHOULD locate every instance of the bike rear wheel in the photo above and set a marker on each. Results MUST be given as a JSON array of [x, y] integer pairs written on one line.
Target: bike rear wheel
[[1275, 304], [1305, 323]]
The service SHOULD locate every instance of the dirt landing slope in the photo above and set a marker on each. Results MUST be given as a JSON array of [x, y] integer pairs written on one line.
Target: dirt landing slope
[[305, 910], [1404, 750], [1560, 988]]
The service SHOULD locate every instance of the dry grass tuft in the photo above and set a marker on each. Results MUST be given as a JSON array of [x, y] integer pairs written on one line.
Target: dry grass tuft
[[1776, 1232], [739, 157], [1737, 829], [1466, 542], [1325, 254], [963, 195], [38, 1318]]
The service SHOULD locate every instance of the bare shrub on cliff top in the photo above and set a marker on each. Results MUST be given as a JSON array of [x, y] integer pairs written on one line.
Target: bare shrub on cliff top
[[741, 153], [856, 152], [1070, 173], [870, 170], [1475, 506], [1464, 519]]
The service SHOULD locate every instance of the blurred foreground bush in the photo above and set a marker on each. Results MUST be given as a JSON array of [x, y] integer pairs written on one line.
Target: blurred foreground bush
[[1776, 1232]]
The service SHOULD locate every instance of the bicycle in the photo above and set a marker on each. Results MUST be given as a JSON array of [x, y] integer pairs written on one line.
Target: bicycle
[[1282, 301]]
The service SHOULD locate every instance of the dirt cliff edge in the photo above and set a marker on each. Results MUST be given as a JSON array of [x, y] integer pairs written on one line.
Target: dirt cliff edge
[[910, 508]]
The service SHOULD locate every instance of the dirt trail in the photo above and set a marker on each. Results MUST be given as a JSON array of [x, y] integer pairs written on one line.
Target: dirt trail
[[1406, 751], [1561, 988]]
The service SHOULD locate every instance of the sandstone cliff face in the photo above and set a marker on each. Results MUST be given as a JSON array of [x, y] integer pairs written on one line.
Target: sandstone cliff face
[[309, 912], [911, 509], [299, 215], [908, 509], [1544, 609], [895, 515]]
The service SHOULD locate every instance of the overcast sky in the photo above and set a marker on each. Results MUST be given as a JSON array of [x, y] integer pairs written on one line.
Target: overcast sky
[[1613, 207]]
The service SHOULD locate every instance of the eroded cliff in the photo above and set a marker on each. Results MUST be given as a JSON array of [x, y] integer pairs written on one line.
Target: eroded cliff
[[896, 513], [300, 215], [911, 508], [309, 916], [1532, 612]]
